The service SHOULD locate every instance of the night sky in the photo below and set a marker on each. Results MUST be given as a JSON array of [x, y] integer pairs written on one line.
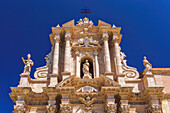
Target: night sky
[[25, 26]]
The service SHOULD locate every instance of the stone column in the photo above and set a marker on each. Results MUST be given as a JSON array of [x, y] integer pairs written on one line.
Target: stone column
[[51, 107], [54, 75], [77, 65], [67, 57], [96, 64], [67, 52], [106, 52], [56, 53], [117, 53]]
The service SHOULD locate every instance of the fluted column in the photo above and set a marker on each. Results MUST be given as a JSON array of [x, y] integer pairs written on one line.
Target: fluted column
[[77, 65], [96, 65], [56, 54], [106, 52], [117, 53], [67, 52]]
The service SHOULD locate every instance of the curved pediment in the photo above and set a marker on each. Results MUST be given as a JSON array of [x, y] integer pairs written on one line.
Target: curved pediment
[[97, 83]]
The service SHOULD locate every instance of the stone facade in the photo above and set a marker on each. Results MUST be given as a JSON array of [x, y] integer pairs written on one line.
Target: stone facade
[[86, 72]]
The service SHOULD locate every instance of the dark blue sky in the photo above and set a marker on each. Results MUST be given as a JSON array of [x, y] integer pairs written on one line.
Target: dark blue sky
[[25, 26]]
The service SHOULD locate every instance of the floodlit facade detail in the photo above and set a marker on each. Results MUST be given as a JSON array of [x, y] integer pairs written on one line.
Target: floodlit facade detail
[[86, 72]]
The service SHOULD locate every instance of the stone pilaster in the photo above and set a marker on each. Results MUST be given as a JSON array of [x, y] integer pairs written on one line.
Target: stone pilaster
[[96, 64], [65, 106], [67, 57], [111, 106], [51, 107], [117, 53], [124, 107], [20, 105], [54, 75], [154, 105], [77, 65], [106, 52]]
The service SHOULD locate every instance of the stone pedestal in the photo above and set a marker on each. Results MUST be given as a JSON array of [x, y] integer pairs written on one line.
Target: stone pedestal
[[24, 80]]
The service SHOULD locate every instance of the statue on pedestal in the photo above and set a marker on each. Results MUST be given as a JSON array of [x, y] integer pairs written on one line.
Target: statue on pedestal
[[86, 72], [28, 64]]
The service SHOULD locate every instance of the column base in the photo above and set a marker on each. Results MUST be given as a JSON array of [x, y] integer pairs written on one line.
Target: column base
[[109, 75], [65, 75]]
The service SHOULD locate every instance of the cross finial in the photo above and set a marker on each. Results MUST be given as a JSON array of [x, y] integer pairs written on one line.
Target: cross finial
[[85, 11]]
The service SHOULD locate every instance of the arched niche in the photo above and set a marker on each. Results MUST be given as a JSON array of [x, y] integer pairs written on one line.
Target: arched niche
[[91, 68]]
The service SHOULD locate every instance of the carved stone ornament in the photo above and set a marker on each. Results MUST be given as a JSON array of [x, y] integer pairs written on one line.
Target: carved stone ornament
[[124, 108], [51, 109], [87, 103], [28, 64], [65, 108], [87, 89], [87, 42], [130, 72], [85, 22], [19, 109], [154, 109], [111, 108], [42, 72]]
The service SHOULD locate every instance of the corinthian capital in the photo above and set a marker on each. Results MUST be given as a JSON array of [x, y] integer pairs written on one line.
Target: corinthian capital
[[105, 36], [67, 35], [57, 37], [115, 38]]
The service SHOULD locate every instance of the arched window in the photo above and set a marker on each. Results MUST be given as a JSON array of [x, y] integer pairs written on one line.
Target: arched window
[[90, 60]]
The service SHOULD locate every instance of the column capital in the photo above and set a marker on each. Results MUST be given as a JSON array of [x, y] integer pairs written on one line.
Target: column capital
[[67, 35], [105, 36], [95, 53], [57, 37], [115, 38]]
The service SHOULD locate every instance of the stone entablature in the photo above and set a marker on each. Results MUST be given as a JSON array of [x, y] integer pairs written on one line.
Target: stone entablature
[[86, 72]]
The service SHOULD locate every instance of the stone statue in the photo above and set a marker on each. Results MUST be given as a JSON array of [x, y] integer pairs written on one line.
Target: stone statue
[[80, 22], [86, 72], [147, 64], [87, 103], [28, 64]]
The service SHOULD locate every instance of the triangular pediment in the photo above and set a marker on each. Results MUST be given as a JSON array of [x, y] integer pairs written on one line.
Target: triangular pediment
[[101, 23], [69, 24]]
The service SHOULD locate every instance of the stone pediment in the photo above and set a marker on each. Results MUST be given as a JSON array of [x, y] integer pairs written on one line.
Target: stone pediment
[[101, 23], [96, 83], [69, 24]]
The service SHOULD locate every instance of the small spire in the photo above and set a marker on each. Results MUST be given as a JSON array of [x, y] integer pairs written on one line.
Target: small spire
[[113, 25], [58, 25]]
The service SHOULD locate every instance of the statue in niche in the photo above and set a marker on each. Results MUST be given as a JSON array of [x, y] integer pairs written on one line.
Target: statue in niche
[[86, 72], [28, 64]]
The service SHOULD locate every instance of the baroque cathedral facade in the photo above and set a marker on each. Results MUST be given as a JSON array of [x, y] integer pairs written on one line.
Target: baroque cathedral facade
[[86, 72]]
